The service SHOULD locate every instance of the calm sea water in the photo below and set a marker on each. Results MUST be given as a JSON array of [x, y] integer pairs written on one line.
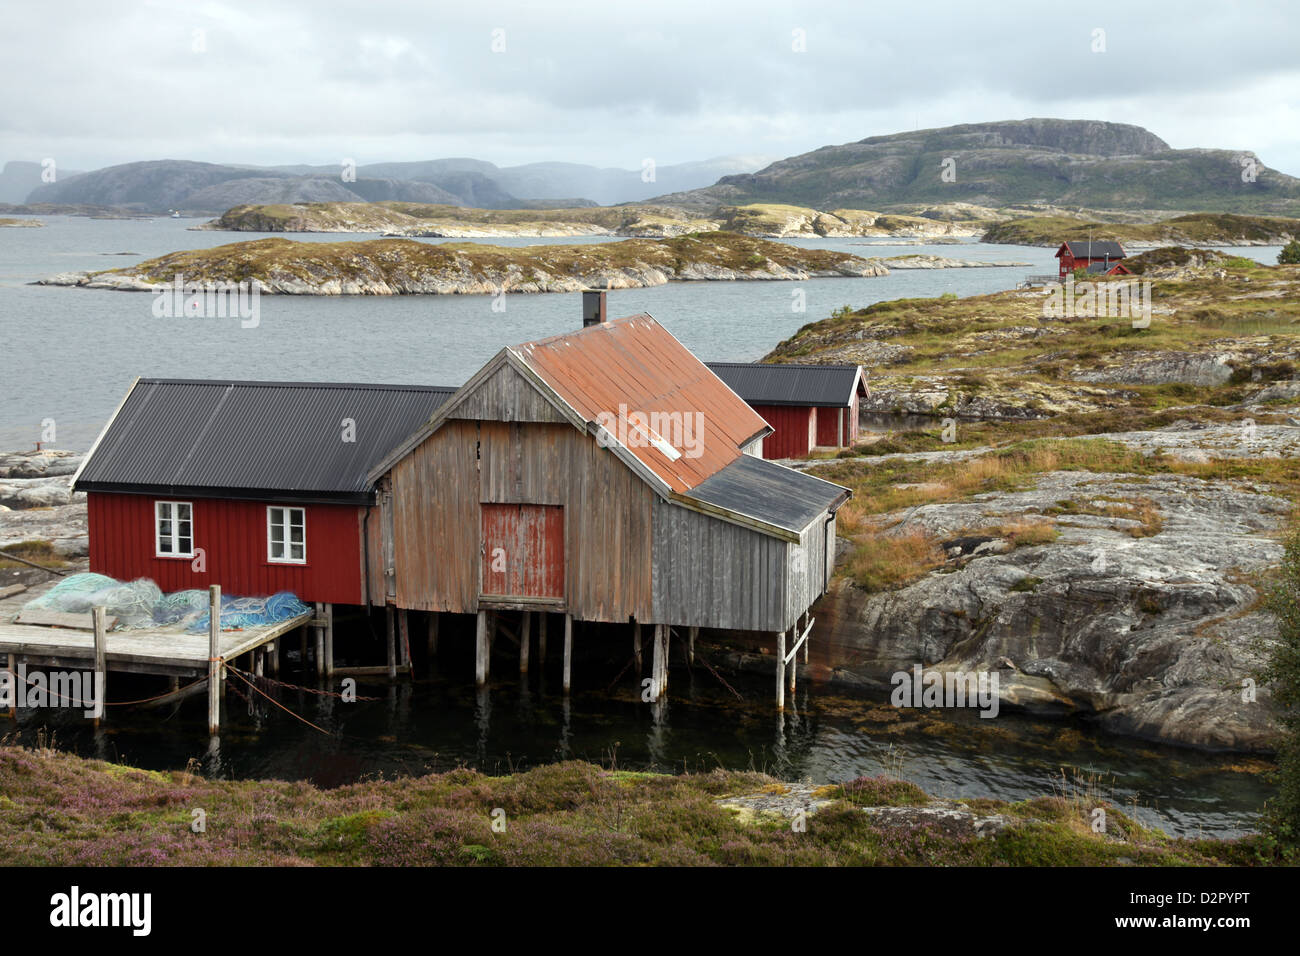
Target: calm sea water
[[69, 354]]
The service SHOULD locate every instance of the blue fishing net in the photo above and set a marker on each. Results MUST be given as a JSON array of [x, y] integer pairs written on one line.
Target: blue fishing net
[[141, 603]]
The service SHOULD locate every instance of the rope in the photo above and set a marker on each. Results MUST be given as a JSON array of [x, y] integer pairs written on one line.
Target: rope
[[620, 673], [277, 703], [721, 681], [309, 690]]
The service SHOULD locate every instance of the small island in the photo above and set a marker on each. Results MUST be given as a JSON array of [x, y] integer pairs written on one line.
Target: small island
[[1196, 229], [406, 266], [21, 223]]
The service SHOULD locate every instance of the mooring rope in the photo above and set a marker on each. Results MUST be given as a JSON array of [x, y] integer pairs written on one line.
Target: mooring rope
[[276, 702]]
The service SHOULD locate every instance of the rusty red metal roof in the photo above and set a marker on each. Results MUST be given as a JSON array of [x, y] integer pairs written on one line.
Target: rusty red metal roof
[[651, 394]]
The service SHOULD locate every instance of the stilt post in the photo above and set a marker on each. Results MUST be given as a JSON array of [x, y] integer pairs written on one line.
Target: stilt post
[[403, 640], [659, 662], [541, 638], [432, 637], [636, 648], [329, 640], [525, 638], [568, 650], [691, 634], [392, 642], [214, 658], [480, 650], [319, 622], [780, 671], [101, 652], [13, 682]]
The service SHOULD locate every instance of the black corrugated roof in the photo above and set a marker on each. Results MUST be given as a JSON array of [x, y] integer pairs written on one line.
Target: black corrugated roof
[[770, 492], [1097, 249], [828, 386], [254, 439]]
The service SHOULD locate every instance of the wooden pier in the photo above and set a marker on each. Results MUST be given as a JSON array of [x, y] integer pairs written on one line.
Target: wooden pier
[[169, 651]]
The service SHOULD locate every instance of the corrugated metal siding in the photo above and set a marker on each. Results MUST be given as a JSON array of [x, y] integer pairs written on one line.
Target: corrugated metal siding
[[255, 436], [636, 363], [795, 433], [711, 573], [232, 535]]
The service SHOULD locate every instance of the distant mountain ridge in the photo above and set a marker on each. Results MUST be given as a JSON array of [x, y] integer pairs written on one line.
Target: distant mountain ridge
[[210, 188], [1061, 162]]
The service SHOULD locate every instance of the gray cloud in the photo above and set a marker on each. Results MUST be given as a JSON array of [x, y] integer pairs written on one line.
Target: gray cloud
[[607, 83]]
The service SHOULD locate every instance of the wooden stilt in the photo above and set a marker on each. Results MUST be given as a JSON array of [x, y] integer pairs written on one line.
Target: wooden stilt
[[174, 684], [491, 639], [13, 685], [691, 634], [403, 640], [807, 618], [302, 648], [793, 665], [214, 661], [259, 659], [568, 650], [480, 650], [433, 634], [273, 650], [320, 639], [541, 639], [636, 648], [525, 638], [101, 652], [780, 671], [392, 642], [329, 640], [659, 663]]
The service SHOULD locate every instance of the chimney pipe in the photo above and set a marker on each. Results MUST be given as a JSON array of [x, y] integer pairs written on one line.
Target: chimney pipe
[[593, 307]]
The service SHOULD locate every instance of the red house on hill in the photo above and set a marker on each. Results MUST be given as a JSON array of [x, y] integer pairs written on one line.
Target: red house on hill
[[808, 406], [257, 486], [1084, 255]]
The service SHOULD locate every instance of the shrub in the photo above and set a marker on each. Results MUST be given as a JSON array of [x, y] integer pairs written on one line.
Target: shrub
[[1290, 254]]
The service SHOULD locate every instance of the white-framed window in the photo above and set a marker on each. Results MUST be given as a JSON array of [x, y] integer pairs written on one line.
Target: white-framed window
[[286, 535], [173, 529]]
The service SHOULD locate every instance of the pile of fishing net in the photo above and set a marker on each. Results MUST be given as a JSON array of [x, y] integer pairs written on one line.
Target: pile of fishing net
[[141, 603]]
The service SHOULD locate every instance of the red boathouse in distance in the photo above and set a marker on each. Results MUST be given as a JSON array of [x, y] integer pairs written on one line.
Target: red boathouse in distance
[[257, 486], [808, 406]]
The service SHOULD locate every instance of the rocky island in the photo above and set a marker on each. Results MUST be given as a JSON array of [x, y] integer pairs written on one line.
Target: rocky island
[[407, 266]]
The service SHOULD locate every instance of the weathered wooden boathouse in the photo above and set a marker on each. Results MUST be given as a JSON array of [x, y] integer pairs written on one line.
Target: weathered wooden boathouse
[[604, 475]]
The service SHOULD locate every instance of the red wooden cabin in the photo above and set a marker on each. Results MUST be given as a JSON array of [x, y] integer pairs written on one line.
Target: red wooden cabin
[[257, 486], [1083, 255], [808, 406]]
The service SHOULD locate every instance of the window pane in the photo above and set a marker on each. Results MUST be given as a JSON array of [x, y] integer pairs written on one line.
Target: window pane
[[183, 545], [296, 516], [277, 549], [183, 512], [295, 535], [164, 545], [296, 551]]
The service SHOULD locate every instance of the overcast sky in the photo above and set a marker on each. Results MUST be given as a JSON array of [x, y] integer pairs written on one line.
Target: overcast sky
[[611, 83]]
